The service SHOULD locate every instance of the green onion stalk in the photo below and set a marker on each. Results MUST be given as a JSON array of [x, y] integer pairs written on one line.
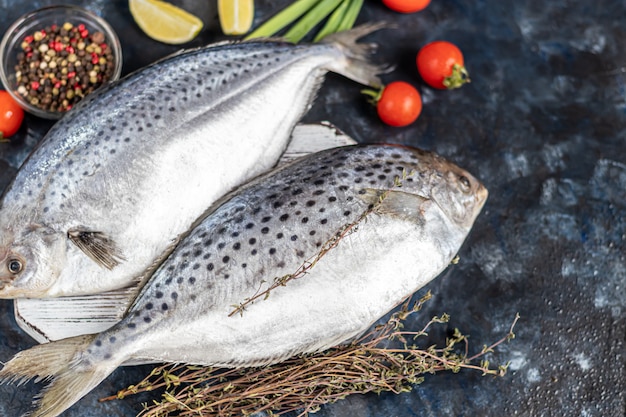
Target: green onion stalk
[[304, 15]]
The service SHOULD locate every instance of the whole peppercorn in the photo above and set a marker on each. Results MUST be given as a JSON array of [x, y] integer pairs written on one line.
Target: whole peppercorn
[[59, 65]]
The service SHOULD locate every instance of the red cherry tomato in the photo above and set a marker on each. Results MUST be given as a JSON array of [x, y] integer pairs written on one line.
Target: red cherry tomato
[[441, 65], [399, 104], [11, 115], [406, 6]]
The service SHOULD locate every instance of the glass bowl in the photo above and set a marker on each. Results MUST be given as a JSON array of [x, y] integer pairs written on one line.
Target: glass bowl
[[45, 90]]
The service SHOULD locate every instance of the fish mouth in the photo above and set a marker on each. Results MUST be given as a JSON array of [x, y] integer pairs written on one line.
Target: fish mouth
[[6, 286], [481, 195], [5, 278]]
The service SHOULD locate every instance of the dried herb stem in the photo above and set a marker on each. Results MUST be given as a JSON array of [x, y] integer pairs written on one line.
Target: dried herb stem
[[381, 360]]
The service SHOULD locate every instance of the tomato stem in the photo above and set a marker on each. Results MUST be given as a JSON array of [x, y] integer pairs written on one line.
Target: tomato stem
[[373, 95], [3, 139], [458, 77]]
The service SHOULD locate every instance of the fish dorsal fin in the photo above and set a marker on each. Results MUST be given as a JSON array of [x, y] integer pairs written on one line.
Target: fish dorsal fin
[[98, 246], [397, 203], [311, 138]]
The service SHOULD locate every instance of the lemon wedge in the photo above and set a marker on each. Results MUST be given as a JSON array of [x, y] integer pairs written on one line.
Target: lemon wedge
[[235, 16], [165, 22]]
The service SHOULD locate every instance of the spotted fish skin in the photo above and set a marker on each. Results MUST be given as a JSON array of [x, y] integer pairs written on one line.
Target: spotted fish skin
[[418, 210], [116, 181]]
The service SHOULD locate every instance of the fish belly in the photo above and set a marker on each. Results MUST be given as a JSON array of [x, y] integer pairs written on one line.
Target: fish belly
[[352, 286]]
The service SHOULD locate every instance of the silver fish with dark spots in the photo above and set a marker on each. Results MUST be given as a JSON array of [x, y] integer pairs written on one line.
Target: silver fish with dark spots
[[115, 182], [47, 319], [407, 211]]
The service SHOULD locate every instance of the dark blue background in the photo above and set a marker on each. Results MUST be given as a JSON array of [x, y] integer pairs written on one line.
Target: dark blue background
[[543, 125]]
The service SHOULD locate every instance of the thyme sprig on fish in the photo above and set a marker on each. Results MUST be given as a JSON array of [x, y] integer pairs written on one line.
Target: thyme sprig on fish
[[306, 265], [386, 359], [330, 244]]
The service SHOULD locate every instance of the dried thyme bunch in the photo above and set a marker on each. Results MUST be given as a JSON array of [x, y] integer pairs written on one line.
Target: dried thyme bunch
[[385, 359]]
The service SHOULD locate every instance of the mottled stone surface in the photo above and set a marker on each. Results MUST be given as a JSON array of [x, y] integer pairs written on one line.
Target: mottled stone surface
[[543, 124]]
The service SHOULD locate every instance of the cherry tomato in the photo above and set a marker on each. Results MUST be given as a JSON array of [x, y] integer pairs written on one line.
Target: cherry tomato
[[441, 65], [11, 115], [399, 104], [406, 6]]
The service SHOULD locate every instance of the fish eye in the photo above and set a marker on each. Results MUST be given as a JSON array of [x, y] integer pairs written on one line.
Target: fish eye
[[465, 182], [15, 266]]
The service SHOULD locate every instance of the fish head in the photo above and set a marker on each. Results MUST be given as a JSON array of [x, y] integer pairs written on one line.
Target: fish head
[[30, 262], [458, 194]]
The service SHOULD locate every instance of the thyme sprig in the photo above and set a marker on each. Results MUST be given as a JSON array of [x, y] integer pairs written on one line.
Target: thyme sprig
[[330, 244], [386, 359]]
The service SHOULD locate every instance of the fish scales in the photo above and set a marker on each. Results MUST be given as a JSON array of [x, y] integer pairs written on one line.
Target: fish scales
[[289, 217], [268, 231], [119, 178], [420, 207], [62, 317], [149, 103]]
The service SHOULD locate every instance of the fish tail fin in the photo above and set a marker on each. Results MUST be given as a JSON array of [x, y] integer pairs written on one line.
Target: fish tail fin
[[71, 376], [358, 67]]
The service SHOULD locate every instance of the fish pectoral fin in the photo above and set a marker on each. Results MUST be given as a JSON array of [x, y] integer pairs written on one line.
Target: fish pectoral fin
[[397, 203], [97, 246]]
